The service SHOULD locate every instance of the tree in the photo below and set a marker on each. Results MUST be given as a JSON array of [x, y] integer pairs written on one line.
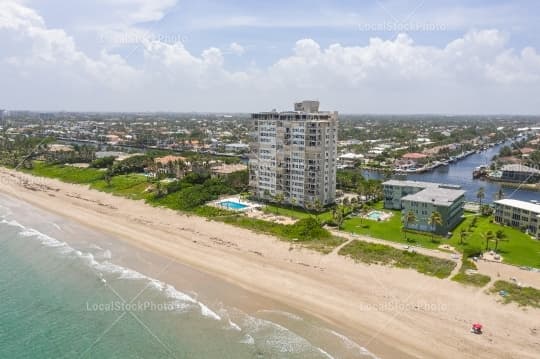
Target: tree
[[339, 215], [488, 236], [410, 218], [107, 177], [360, 189], [159, 190], [434, 220], [499, 236], [480, 195], [486, 210], [364, 211], [317, 206], [462, 235], [279, 198], [293, 201]]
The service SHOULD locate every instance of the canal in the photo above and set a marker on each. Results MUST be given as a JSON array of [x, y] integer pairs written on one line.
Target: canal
[[460, 173]]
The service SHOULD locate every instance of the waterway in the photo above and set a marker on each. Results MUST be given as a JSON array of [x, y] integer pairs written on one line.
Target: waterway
[[460, 173]]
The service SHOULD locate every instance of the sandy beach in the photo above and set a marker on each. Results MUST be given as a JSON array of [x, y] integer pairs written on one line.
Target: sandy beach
[[394, 313]]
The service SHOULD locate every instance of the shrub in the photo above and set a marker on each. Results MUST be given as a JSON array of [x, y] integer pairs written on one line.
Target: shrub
[[307, 229], [102, 162], [473, 251], [134, 164]]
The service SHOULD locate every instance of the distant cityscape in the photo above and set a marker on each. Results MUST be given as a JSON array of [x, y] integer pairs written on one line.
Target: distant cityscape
[[301, 157]]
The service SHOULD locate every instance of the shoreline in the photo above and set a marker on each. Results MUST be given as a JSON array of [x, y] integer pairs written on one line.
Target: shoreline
[[331, 288], [231, 303]]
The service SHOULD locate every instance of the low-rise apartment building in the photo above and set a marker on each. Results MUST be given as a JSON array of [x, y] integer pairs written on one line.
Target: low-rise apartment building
[[519, 214], [423, 199]]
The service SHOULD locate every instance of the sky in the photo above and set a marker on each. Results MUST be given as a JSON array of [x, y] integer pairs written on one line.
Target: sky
[[354, 56]]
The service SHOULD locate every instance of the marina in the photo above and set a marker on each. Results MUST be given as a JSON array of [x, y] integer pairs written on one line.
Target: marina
[[461, 173]]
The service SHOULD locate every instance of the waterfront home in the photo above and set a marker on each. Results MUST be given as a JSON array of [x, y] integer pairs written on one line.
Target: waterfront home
[[236, 147], [222, 169], [519, 173], [59, 153], [519, 214], [176, 166], [447, 201], [349, 159], [423, 199]]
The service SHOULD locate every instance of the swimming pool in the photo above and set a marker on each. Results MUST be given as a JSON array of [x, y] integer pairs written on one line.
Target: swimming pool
[[374, 215], [378, 215], [237, 206]]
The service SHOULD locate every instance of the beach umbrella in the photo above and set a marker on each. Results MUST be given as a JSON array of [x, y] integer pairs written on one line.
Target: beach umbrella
[[477, 328]]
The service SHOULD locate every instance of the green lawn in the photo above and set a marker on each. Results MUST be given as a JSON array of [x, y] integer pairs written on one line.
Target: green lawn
[[389, 230], [373, 253], [68, 174], [297, 213], [132, 186], [306, 232], [518, 249]]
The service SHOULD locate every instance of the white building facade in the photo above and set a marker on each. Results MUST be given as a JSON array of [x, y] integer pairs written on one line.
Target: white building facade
[[294, 154], [519, 214]]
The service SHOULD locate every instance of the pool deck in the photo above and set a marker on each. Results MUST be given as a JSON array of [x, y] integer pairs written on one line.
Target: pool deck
[[249, 205], [383, 216]]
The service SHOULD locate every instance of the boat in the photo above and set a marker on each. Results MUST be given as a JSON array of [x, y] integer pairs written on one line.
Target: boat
[[480, 171]]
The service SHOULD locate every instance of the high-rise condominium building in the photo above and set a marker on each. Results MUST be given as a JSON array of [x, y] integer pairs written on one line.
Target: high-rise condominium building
[[293, 155]]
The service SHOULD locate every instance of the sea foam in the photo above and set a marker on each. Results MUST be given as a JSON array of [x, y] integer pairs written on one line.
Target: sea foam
[[107, 267], [352, 344]]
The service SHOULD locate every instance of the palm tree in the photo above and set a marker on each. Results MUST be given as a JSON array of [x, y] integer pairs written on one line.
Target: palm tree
[[361, 188], [308, 205], [434, 220], [364, 210], [488, 236], [317, 206], [279, 198], [159, 190], [480, 195], [293, 202], [108, 176], [499, 236], [410, 218], [462, 235], [339, 215]]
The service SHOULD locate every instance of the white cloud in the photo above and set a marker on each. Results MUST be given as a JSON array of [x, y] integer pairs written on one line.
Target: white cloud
[[136, 11], [236, 48], [45, 69]]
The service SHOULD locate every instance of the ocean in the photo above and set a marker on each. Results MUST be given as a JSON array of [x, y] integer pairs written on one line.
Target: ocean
[[69, 291]]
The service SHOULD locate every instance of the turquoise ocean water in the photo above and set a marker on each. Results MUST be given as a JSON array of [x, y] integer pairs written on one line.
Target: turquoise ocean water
[[64, 295]]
